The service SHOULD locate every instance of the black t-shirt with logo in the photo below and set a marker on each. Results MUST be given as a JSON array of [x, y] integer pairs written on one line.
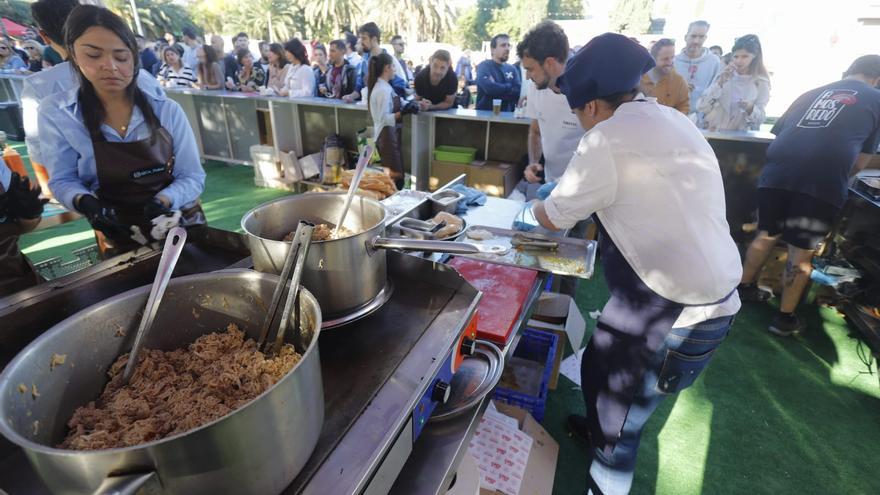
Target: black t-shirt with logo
[[819, 138], [437, 94]]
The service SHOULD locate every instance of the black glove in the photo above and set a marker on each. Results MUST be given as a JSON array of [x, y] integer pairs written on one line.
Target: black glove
[[409, 108], [102, 218], [155, 208], [4, 207], [23, 202]]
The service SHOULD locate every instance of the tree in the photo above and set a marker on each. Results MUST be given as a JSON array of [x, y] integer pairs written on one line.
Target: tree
[[558, 10], [473, 23], [631, 16], [17, 11], [517, 18], [328, 18], [271, 20], [416, 20], [157, 16]]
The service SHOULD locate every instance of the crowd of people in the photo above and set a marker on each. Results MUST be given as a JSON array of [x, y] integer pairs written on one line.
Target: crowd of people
[[612, 138]]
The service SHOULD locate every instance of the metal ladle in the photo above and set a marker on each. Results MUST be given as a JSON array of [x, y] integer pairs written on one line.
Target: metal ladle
[[174, 242], [352, 188]]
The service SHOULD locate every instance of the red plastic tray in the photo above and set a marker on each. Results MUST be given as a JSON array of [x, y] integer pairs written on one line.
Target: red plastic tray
[[505, 289]]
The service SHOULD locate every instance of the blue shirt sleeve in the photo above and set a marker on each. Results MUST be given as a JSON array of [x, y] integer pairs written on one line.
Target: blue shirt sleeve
[[189, 176], [62, 162], [5, 177], [399, 86], [360, 81], [16, 63]]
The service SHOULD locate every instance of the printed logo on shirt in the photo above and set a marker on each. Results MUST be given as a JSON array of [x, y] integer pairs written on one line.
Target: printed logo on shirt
[[509, 75], [826, 107], [144, 172]]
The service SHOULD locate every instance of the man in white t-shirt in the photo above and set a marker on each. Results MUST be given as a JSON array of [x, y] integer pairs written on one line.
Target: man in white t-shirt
[[554, 131]]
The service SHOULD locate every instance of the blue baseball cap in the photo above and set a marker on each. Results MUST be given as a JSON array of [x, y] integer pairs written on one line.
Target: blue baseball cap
[[609, 64]]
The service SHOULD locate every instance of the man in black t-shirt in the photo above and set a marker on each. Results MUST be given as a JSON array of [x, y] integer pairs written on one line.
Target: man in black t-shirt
[[436, 84], [827, 135]]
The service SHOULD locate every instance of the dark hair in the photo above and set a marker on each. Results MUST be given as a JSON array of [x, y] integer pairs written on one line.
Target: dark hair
[[171, 49], [241, 54], [50, 16], [617, 99], [261, 44], [545, 40], [277, 49], [716, 46], [206, 70], [694, 24], [442, 55], [80, 20], [396, 37], [189, 32], [866, 65], [377, 66], [240, 35], [298, 50], [752, 44], [320, 46], [351, 40], [371, 30], [659, 44], [494, 42], [339, 44]]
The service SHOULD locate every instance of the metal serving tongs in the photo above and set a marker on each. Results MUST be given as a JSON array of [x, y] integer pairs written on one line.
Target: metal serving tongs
[[174, 242], [525, 240], [295, 261]]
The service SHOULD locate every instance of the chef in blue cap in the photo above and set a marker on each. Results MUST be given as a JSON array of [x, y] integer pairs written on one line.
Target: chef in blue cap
[[652, 184]]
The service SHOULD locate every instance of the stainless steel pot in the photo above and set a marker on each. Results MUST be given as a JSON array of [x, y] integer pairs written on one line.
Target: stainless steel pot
[[257, 449], [344, 274]]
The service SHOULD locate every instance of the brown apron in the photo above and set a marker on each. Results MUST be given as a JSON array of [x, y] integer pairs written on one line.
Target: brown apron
[[16, 272], [130, 175], [389, 143]]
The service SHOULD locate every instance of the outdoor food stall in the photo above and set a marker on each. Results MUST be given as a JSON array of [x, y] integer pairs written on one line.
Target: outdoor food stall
[[370, 399]]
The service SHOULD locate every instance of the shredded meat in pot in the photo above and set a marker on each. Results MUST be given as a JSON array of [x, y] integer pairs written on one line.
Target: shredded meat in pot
[[323, 232], [176, 391]]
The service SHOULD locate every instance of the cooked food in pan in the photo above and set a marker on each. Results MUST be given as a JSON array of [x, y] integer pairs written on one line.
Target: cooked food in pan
[[172, 392], [323, 232]]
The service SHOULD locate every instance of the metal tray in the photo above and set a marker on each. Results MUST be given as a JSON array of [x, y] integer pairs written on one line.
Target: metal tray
[[475, 378], [572, 257]]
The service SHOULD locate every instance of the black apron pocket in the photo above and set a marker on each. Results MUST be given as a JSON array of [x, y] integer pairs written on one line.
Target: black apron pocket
[[679, 371]]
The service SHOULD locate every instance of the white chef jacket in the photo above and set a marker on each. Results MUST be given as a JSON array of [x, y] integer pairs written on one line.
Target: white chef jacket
[[560, 130], [655, 184]]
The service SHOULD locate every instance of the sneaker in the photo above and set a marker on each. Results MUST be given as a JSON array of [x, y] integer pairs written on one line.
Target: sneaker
[[753, 293], [784, 325], [579, 426]]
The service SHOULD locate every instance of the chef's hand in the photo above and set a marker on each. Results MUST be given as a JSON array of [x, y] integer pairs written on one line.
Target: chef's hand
[[525, 220], [24, 201], [102, 217], [533, 173], [545, 190], [154, 208]]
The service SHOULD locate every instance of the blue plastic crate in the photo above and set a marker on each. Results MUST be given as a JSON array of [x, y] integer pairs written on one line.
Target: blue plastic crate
[[538, 347]]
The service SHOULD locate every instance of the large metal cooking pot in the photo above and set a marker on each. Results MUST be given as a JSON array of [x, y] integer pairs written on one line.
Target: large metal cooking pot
[[257, 449], [344, 274]]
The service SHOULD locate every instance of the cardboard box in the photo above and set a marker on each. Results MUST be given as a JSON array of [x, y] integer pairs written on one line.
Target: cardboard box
[[541, 466], [559, 314], [493, 178], [443, 172]]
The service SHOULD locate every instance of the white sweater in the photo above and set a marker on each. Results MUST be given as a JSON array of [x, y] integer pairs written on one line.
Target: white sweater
[[299, 81], [381, 106], [721, 104]]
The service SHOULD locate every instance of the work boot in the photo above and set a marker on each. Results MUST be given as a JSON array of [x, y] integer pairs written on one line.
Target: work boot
[[785, 324], [753, 293], [579, 426]]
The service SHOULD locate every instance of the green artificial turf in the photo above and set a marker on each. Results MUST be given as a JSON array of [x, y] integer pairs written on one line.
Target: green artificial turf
[[769, 415]]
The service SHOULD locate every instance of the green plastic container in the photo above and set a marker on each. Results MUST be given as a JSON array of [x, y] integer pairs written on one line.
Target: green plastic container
[[455, 154]]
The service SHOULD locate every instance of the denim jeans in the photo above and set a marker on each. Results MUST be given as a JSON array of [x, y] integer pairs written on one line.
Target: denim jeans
[[674, 367]]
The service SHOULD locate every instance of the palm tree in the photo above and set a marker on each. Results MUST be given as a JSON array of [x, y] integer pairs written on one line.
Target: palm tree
[[327, 18], [273, 20], [417, 20], [157, 16]]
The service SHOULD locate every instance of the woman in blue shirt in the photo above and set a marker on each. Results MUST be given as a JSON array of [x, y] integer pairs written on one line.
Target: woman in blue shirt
[[121, 154], [9, 60]]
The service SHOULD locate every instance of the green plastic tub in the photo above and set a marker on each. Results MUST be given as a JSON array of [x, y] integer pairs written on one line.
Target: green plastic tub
[[455, 154]]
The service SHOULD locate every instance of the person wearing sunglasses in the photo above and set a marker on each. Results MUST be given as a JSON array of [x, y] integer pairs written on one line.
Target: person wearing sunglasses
[[35, 52]]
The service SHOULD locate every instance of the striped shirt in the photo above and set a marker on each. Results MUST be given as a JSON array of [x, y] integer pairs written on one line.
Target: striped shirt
[[170, 78]]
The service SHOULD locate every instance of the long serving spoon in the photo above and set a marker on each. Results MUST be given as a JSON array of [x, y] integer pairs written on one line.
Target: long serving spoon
[[174, 242], [355, 182]]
